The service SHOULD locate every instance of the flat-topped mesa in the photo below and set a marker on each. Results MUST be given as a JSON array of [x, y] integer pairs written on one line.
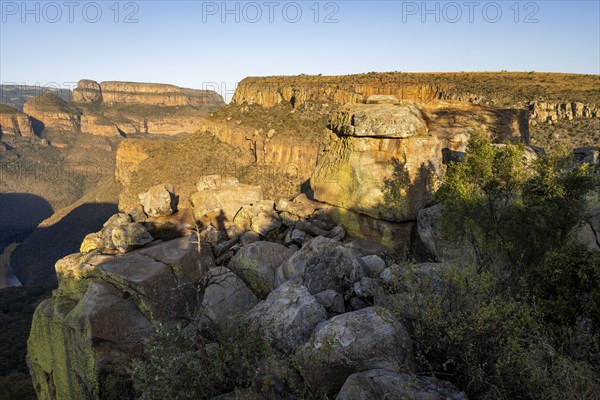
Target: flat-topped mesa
[[297, 90], [566, 96], [113, 92], [14, 122]]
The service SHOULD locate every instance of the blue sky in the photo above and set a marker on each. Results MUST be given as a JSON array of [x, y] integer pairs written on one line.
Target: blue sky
[[200, 44]]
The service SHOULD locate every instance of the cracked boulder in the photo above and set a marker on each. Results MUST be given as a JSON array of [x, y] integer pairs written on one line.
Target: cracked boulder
[[159, 201], [105, 308], [256, 264], [356, 341], [288, 316], [322, 264]]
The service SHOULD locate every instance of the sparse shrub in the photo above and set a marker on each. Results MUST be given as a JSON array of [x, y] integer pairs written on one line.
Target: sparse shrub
[[491, 344], [182, 364]]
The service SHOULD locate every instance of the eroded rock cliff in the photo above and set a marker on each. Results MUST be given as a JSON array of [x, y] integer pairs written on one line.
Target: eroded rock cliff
[[51, 112], [14, 122], [113, 108], [387, 160], [113, 92]]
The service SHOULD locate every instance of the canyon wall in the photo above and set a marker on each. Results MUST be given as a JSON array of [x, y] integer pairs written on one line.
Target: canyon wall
[[507, 90], [122, 108], [14, 122], [299, 90], [155, 94], [550, 112]]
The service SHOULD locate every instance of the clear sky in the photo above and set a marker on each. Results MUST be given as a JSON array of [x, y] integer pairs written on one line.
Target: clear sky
[[210, 44]]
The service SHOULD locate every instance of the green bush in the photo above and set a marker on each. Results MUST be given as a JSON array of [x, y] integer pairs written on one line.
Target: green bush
[[567, 286], [181, 364], [491, 344], [511, 211]]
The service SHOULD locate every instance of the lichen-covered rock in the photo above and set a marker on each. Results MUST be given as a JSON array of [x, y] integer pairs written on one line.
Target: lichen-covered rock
[[384, 178], [288, 316], [297, 208], [374, 265], [66, 355], [226, 296], [131, 236], [322, 264], [91, 242], [159, 201], [332, 301], [256, 264], [379, 120], [113, 222], [259, 217], [103, 311], [225, 198], [188, 259], [356, 341], [384, 384]]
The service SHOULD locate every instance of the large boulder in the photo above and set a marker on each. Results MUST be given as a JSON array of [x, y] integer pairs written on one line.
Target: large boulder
[[384, 384], [379, 160], [322, 264], [159, 201], [222, 195], [225, 297], [188, 259], [105, 308], [130, 236], [256, 264], [288, 316], [118, 233], [296, 207], [67, 352], [379, 120], [353, 342], [260, 217]]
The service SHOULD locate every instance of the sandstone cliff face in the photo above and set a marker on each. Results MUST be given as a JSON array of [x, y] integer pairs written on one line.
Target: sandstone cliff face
[[298, 90], [113, 108], [144, 93], [98, 125], [295, 160], [386, 161], [52, 112], [14, 122], [550, 112], [129, 156], [575, 96]]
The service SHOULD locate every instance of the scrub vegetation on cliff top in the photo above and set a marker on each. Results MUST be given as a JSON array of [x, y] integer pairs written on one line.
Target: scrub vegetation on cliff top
[[504, 88]]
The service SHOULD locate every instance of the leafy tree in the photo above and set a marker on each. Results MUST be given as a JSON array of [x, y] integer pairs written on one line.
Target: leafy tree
[[513, 211]]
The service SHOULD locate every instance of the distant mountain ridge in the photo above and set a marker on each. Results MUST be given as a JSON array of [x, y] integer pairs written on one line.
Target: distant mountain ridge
[[16, 95]]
